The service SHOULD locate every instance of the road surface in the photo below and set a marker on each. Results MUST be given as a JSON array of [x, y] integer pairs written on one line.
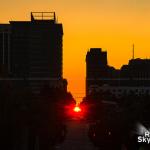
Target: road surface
[[77, 138]]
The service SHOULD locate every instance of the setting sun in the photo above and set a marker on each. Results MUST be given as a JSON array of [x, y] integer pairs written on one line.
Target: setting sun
[[77, 109]]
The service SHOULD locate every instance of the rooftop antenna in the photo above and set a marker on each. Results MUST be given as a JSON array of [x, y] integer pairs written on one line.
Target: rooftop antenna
[[133, 52], [54, 16]]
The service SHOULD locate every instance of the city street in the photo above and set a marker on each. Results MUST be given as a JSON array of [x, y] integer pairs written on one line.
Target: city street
[[77, 138]]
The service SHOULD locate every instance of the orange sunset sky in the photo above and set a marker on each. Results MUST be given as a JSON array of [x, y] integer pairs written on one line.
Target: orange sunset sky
[[113, 25]]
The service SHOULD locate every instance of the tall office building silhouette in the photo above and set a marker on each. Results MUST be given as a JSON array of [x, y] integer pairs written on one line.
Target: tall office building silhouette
[[34, 49], [96, 66], [96, 62]]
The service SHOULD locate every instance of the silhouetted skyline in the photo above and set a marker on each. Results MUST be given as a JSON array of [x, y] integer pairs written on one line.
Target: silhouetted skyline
[[112, 24], [131, 78]]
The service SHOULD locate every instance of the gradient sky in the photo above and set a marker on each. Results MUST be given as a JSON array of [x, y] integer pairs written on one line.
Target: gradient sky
[[113, 25]]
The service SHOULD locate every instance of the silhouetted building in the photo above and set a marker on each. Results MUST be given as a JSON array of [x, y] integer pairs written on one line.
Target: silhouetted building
[[96, 63], [97, 68], [134, 77], [35, 49]]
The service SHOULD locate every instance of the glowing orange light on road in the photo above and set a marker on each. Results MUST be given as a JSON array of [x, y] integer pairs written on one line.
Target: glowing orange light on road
[[77, 109]]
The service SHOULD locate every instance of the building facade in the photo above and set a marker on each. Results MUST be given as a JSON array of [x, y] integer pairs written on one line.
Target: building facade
[[35, 49], [5, 45]]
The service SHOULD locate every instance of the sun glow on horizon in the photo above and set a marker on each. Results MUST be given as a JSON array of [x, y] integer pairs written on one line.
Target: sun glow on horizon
[[77, 109]]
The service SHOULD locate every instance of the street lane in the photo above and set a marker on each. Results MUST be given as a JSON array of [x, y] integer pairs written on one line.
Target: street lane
[[77, 138]]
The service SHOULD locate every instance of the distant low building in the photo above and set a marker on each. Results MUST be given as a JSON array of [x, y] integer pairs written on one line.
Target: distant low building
[[134, 77]]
